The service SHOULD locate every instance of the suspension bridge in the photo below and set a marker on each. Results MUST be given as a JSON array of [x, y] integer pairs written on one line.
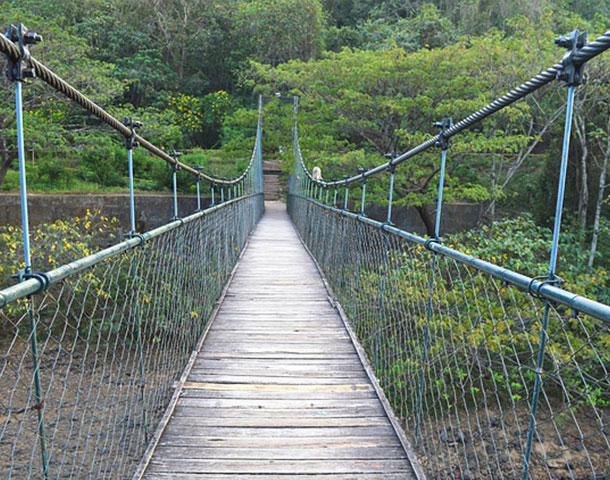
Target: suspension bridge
[[250, 339]]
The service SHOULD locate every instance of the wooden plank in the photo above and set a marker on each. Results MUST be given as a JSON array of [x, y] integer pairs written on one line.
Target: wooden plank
[[292, 432], [228, 412], [261, 443], [236, 404], [245, 370], [286, 453], [220, 336], [274, 380], [348, 396], [278, 355], [272, 476], [292, 467], [278, 422], [336, 365], [357, 387]]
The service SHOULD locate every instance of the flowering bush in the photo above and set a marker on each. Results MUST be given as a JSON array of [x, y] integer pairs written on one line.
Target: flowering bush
[[54, 244]]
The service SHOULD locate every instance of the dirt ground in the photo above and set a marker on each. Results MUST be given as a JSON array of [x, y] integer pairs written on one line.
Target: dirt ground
[[495, 450], [93, 413]]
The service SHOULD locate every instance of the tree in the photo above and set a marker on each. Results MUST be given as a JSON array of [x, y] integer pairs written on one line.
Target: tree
[[592, 122], [276, 31], [49, 115], [360, 105]]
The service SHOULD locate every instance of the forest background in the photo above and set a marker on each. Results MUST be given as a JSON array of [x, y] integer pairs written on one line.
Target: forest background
[[372, 77]]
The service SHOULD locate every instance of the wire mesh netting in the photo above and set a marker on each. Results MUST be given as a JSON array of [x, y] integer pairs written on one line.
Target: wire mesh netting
[[113, 340], [470, 374]]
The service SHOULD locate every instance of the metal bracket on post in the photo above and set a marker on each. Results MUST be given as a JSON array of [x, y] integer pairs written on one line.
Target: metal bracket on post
[[17, 70], [444, 141], [175, 168], [571, 73], [130, 144]]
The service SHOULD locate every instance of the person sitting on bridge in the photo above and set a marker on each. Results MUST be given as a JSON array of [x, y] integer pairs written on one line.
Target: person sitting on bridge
[[317, 174]]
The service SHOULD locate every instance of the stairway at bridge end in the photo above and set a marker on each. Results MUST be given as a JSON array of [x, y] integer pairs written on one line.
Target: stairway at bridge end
[[274, 185]]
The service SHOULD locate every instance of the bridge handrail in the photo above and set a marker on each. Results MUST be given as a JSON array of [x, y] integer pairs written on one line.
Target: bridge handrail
[[546, 290], [31, 286], [11, 49], [586, 53]]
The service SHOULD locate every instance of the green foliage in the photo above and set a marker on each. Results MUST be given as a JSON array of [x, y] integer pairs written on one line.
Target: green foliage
[[521, 245], [428, 29], [282, 30], [55, 244], [358, 105]]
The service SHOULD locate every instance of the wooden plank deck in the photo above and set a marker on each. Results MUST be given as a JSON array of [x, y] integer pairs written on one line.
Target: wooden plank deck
[[278, 389]]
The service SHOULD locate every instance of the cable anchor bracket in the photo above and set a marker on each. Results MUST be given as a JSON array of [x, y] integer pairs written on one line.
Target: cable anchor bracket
[[391, 165], [362, 171], [536, 284], [26, 274], [176, 155], [571, 72], [133, 125], [18, 69], [444, 140]]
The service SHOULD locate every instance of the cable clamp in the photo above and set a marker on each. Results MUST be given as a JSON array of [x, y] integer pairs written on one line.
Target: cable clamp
[[17, 71], [362, 171], [139, 236], [131, 142], [178, 219], [571, 72], [537, 283], [428, 243], [176, 155], [444, 140], [392, 156], [387, 224], [43, 279]]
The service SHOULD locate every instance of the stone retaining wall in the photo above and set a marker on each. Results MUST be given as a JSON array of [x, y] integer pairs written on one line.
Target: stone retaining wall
[[153, 210]]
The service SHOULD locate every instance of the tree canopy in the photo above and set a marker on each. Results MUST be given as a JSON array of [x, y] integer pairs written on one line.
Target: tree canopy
[[372, 77]]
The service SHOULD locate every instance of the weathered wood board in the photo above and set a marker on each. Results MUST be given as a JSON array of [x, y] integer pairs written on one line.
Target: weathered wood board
[[278, 389]]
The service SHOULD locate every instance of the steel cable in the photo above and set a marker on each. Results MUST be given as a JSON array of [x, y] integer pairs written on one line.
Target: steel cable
[[55, 81]]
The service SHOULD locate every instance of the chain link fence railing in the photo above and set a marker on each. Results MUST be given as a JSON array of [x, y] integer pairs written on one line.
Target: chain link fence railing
[[469, 374], [92, 351], [113, 338], [495, 375]]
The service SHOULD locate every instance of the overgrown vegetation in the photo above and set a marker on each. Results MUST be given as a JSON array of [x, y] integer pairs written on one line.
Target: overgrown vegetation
[[372, 77]]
